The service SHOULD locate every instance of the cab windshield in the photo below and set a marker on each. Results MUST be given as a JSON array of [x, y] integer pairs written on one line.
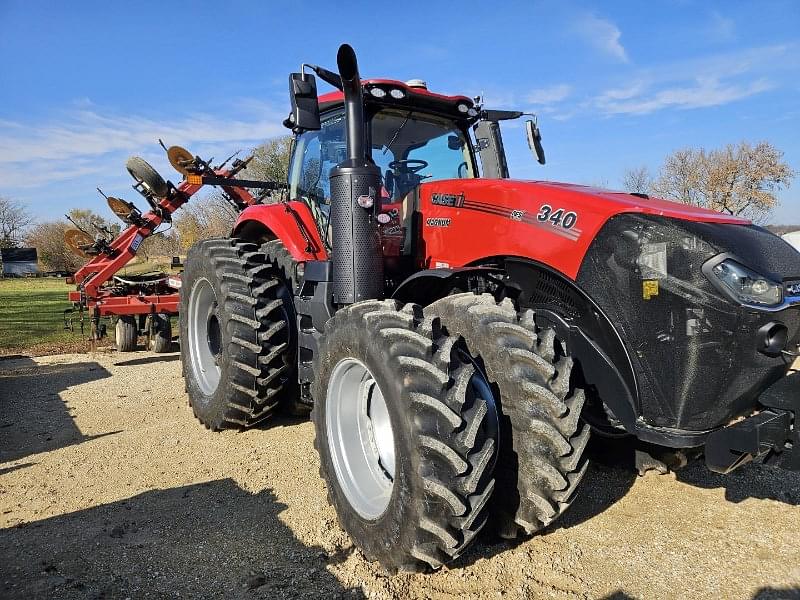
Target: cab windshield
[[408, 147], [411, 148]]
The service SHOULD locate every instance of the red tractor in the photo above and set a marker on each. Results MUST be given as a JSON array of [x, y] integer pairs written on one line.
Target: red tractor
[[459, 338]]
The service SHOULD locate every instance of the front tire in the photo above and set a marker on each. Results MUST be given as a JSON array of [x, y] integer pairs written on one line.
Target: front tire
[[407, 435], [539, 471], [237, 334]]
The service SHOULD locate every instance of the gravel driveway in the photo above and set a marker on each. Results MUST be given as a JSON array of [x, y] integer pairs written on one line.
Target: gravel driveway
[[110, 489]]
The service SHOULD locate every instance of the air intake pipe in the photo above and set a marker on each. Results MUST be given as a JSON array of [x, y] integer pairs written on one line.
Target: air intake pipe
[[355, 198]]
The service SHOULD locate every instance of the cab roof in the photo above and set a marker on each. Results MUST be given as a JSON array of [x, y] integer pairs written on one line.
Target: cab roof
[[459, 107]]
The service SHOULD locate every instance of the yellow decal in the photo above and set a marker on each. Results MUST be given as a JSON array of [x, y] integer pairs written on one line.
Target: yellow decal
[[649, 288], [194, 179]]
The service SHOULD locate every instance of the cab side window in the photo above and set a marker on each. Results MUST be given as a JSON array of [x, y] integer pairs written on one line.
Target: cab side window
[[315, 154]]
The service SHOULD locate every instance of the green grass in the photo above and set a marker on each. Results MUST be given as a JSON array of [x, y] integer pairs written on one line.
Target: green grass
[[32, 314]]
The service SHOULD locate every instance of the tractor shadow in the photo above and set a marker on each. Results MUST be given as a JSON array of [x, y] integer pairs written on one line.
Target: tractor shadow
[[208, 540], [756, 480], [770, 593], [612, 473], [33, 417], [149, 360]]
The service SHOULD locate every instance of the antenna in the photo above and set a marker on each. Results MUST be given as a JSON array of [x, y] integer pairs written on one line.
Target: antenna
[[78, 227]]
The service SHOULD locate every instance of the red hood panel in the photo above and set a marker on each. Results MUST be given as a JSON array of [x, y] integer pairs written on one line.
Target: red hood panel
[[465, 221], [622, 202]]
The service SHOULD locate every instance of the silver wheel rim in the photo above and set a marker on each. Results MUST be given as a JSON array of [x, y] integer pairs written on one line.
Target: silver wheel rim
[[360, 438], [205, 336]]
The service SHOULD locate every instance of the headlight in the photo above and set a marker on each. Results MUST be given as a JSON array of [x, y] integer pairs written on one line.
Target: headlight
[[746, 286]]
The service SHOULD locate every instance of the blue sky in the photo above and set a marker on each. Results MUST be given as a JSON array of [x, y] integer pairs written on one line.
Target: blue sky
[[83, 85]]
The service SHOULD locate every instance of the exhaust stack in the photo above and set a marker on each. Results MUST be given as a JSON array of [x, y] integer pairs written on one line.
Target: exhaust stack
[[355, 198]]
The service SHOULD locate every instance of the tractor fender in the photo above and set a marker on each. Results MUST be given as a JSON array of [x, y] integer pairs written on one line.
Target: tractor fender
[[424, 287], [290, 222], [588, 333]]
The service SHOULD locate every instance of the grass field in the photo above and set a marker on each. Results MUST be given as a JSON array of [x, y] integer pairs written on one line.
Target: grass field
[[32, 315], [32, 312]]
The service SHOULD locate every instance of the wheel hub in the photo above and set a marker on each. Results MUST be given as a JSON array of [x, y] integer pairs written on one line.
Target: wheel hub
[[205, 336], [214, 335], [361, 438]]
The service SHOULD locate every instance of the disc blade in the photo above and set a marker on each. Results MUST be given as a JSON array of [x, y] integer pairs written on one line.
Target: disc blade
[[180, 159], [78, 241], [121, 208]]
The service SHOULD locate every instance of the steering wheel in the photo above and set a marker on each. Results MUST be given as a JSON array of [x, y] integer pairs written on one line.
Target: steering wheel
[[409, 165]]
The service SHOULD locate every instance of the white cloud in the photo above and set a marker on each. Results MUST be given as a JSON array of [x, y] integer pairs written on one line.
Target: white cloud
[[549, 95], [602, 34], [89, 133], [703, 93], [698, 83], [87, 141]]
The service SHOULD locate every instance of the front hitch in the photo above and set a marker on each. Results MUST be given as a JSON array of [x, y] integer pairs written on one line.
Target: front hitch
[[771, 434]]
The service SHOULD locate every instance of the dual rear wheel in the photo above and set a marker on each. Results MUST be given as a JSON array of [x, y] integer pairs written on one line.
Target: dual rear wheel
[[238, 332]]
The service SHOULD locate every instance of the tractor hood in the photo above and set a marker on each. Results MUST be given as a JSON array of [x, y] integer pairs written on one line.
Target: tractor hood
[[529, 195], [642, 203], [562, 219]]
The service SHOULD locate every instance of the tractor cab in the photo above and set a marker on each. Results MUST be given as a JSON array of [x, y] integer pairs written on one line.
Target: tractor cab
[[413, 136]]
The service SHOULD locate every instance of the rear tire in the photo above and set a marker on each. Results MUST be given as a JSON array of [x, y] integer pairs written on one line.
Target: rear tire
[[237, 331], [159, 333], [126, 333], [419, 499], [285, 267], [539, 471]]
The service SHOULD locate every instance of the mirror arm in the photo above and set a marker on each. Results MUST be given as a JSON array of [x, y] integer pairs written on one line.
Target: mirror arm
[[327, 76], [501, 115]]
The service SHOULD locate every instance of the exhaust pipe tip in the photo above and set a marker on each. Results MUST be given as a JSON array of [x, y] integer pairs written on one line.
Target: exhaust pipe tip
[[347, 63]]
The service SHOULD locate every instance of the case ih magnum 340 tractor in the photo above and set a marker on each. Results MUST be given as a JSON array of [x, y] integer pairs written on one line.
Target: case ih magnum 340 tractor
[[459, 338]]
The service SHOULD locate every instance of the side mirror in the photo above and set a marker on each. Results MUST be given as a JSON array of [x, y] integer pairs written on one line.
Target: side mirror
[[535, 140], [305, 107]]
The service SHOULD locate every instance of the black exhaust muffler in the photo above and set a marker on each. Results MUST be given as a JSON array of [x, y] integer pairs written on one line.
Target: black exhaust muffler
[[355, 198]]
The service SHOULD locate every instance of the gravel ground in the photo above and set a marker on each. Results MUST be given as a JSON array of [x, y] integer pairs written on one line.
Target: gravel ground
[[110, 489]]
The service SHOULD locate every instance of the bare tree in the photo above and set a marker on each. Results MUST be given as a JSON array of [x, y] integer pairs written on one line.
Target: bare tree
[[740, 179], [54, 254], [93, 223], [637, 180], [14, 221], [208, 217], [48, 238], [271, 160], [162, 244]]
